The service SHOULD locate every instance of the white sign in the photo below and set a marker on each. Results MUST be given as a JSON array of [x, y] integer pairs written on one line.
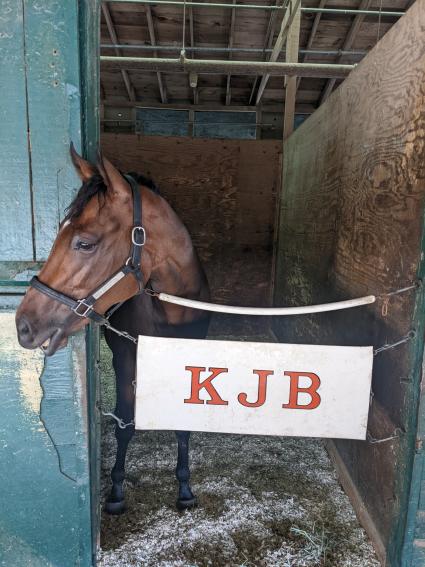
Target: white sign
[[258, 388]]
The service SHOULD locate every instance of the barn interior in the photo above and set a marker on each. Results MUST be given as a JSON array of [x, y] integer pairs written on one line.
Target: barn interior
[[232, 148]]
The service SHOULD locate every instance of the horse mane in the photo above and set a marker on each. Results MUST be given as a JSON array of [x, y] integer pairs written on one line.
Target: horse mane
[[96, 186]]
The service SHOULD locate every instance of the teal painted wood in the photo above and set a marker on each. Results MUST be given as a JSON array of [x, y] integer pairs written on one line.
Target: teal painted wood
[[413, 554], [89, 23], [15, 190], [39, 518], [47, 516], [53, 82]]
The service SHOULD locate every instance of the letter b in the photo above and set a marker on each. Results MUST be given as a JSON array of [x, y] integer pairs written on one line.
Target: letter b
[[294, 390]]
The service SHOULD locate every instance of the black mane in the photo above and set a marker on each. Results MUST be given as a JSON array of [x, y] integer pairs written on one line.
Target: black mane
[[96, 186]]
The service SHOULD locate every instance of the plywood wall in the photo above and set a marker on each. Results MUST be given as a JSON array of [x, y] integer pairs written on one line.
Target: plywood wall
[[225, 192], [351, 225]]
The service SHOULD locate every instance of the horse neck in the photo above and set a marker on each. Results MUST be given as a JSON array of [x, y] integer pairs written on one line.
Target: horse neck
[[174, 263]]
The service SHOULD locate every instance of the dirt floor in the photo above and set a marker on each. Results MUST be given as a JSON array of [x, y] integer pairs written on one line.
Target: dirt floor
[[263, 501]]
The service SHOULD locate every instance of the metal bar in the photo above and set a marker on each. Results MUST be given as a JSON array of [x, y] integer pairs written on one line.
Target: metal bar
[[323, 52], [302, 108], [216, 66], [113, 35], [151, 30], [337, 11], [256, 124], [353, 12], [279, 43]]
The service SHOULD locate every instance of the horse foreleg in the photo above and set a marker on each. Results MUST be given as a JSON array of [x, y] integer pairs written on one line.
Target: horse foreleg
[[186, 498], [124, 366]]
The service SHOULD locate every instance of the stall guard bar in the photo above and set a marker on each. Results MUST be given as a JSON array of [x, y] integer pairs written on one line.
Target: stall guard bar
[[268, 311]]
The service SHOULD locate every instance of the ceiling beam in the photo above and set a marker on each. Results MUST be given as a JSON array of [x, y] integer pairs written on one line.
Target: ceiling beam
[[280, 41], [268, 40], [348, 44], [292, 47], [113, 35], [152, 38], [216, 66], [314, 28], [231, 39], [312, 35]]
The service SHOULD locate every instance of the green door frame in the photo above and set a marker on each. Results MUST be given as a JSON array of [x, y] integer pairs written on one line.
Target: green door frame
[[49, 61]]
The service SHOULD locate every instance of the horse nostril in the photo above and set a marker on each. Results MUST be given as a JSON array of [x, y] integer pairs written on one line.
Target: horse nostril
[[23, 328]]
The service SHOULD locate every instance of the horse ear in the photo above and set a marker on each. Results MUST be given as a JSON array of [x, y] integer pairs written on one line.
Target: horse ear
[[113, 179], [84, 169]]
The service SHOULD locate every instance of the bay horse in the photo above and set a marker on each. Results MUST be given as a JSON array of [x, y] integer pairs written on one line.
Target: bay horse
[[99, 247]]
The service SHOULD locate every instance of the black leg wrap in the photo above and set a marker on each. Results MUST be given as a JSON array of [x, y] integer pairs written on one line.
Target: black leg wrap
[[186, 498]]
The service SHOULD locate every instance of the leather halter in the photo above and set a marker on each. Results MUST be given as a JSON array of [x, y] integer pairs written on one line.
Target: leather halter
[[133, 265]]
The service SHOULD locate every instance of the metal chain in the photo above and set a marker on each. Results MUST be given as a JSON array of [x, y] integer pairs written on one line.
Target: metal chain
[[416, 285], [385, 297], [410, 335], [375, 441], [124, 334]]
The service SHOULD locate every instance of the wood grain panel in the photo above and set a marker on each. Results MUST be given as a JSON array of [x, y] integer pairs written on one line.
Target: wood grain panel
[[224, 191], [351, 225]]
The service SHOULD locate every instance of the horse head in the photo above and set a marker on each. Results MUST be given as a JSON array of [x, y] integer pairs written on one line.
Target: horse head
[[93, 242]]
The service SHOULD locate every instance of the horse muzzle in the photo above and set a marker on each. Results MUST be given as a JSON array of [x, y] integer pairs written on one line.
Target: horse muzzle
[[49, 340]]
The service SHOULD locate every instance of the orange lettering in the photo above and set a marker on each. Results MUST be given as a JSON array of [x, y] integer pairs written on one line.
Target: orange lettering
[[262, 387], [295, 389], [197, 386]]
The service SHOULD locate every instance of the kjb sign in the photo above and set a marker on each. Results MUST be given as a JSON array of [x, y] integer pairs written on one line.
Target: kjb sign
[[258, 388]]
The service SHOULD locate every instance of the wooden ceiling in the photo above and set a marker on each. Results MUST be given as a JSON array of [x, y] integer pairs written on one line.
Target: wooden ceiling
[[137, 24]]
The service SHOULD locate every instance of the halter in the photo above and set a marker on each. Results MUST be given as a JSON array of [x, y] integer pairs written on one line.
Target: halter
[[84, 307]]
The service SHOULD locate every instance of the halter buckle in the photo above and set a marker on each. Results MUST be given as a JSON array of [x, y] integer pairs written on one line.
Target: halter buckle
[[138, 230], [87, 308]]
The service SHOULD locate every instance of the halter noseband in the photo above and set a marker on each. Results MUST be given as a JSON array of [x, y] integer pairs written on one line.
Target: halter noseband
[[133, 265]]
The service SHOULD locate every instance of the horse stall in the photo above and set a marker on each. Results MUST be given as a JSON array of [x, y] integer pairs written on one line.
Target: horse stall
[[333, 213], [343, 220]]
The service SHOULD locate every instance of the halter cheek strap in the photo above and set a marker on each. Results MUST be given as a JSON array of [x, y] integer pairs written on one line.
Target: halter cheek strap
[[84, 307]]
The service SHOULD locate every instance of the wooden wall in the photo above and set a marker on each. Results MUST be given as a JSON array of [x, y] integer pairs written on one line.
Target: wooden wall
[[351, 220], [225, 192]]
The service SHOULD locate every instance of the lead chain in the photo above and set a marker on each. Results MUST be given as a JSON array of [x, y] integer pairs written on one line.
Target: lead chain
[[410, 335], [120, 422], [120, 333]]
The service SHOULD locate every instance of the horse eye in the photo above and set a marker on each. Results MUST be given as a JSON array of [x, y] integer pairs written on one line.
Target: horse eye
[[84, 246]]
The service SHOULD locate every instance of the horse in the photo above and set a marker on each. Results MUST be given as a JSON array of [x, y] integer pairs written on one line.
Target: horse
[[99, 247]]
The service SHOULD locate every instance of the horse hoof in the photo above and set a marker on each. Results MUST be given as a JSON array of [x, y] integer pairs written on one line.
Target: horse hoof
[[115, 508], [186, 504]]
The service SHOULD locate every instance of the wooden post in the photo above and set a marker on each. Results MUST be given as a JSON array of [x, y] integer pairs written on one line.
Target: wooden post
[[292, 47]]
